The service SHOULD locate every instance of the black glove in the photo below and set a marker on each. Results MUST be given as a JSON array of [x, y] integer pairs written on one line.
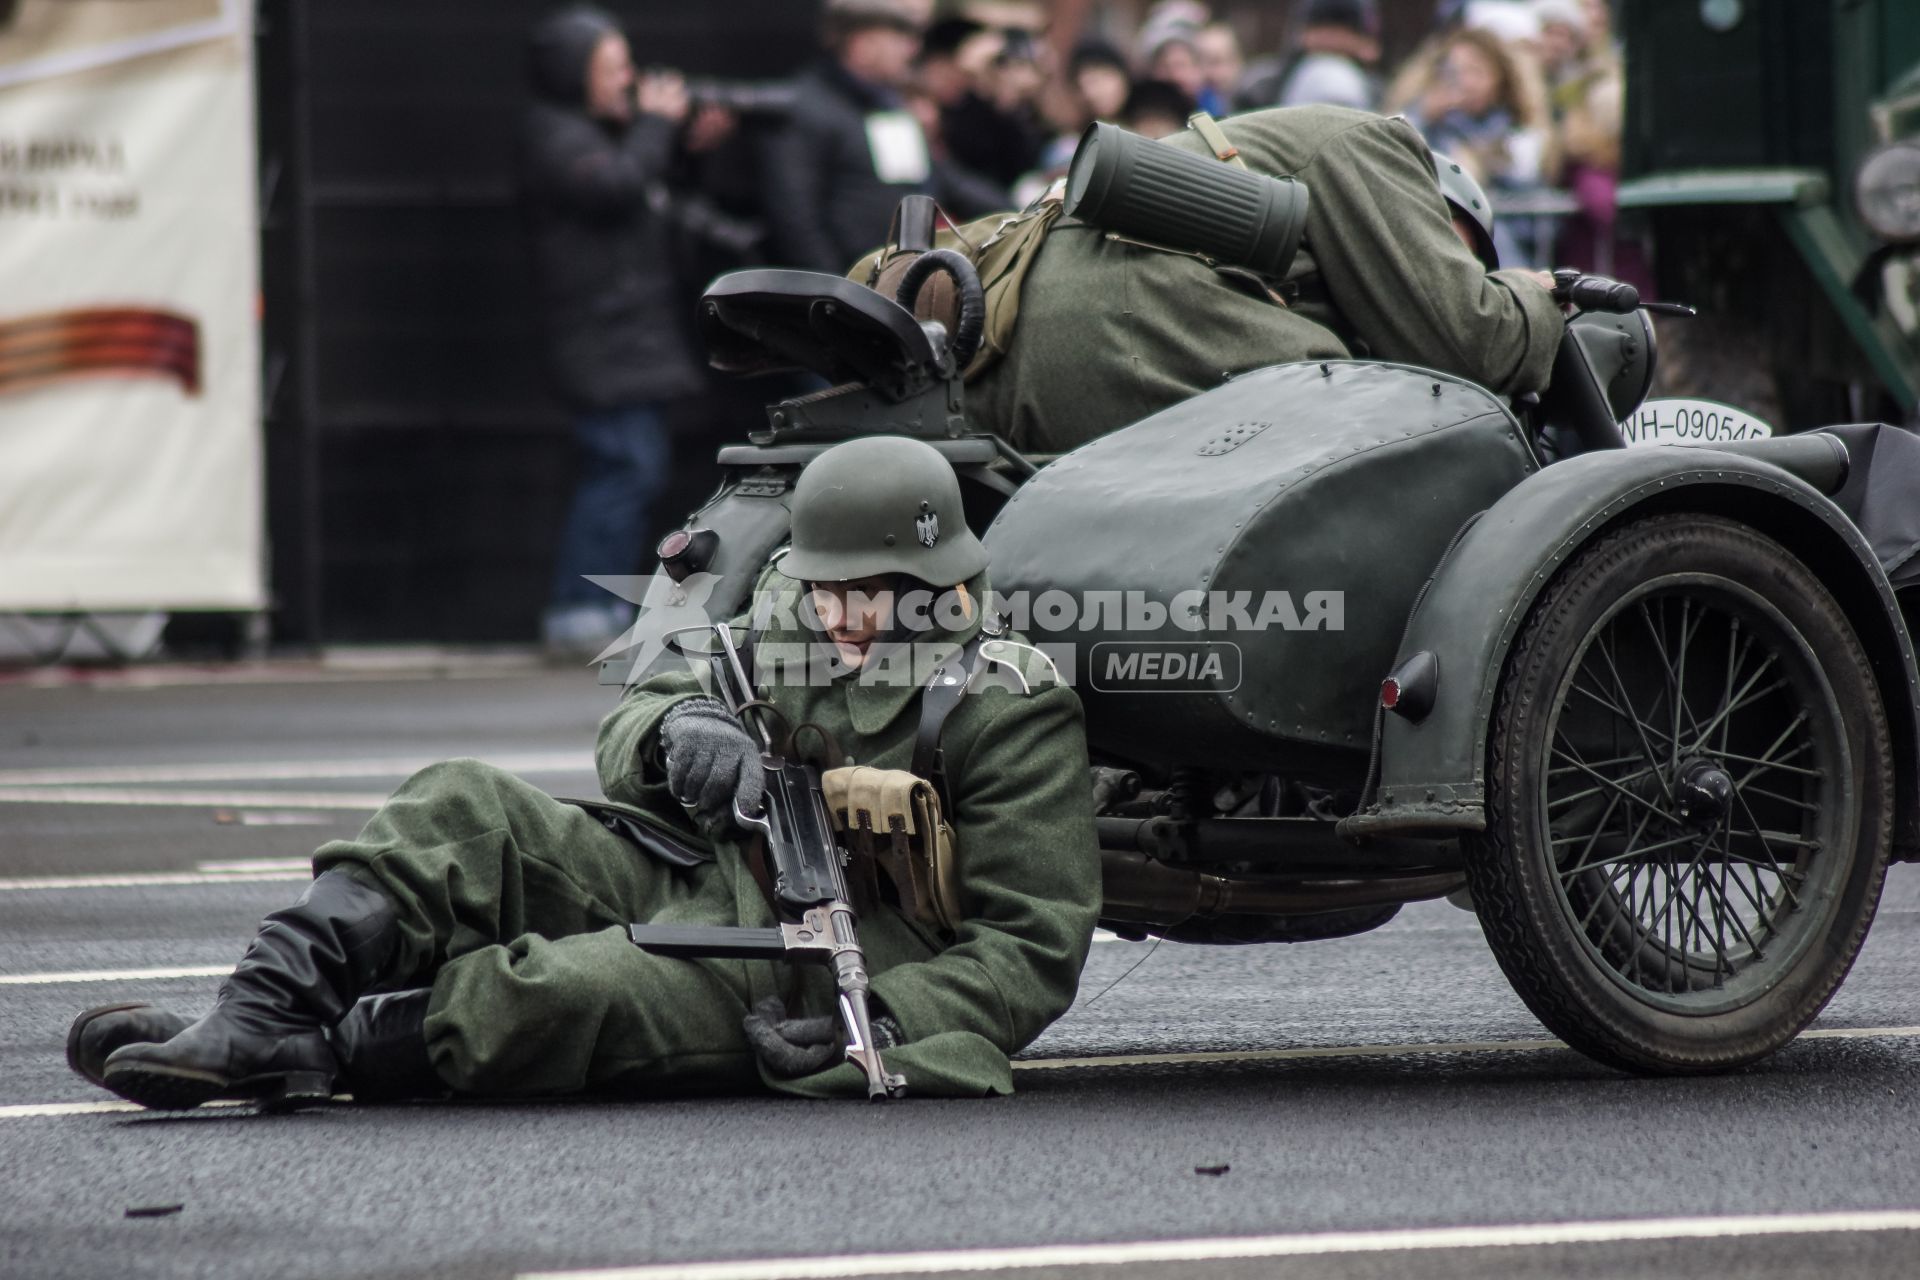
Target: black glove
[[801, 1046], [792, 1046], [711, 762]]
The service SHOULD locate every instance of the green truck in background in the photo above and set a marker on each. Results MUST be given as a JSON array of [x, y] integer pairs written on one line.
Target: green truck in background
[[1773, 150]]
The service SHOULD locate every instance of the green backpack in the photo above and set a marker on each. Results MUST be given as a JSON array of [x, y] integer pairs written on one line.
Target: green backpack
[[1002, 249]]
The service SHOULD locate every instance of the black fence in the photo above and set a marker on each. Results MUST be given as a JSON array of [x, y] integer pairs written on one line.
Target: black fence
[[1759, 93], [417, 463]]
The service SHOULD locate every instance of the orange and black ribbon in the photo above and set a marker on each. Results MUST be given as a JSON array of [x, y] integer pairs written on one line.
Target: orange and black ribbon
[[99, 342]]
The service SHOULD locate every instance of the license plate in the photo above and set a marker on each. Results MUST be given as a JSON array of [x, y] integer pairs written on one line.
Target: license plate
[[1691, 422]]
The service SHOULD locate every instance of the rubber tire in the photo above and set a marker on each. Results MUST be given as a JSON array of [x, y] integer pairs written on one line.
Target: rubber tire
[[1513, 890]]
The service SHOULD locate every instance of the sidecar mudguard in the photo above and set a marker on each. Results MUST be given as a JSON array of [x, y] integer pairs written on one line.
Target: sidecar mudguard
[[1432, 772]]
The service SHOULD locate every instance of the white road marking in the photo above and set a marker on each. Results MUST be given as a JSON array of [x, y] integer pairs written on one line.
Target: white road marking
[[111, 975], [249, 818], [1394, 1050], [283, 770], [1861, 1033], [41, 1110], [143, 879], [1537, 1235], [333, 667], [1289, 1055], [253, 866], [368, 800]]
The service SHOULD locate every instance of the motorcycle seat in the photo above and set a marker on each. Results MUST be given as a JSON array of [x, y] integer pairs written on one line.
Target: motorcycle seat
[[767, 321]]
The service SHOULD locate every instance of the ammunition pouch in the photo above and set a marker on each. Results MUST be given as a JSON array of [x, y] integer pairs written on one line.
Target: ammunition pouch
[[894, 824]]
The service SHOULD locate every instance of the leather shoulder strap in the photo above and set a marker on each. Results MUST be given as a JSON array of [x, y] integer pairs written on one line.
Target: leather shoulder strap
[[746, 650], [942, 694]]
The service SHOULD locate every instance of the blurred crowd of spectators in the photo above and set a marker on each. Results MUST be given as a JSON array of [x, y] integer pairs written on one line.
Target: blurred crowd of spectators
[[1527, 94], [642, 185], [981, 103]]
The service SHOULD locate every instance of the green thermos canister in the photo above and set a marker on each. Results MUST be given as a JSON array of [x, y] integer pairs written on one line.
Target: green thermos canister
[[1136, 187]]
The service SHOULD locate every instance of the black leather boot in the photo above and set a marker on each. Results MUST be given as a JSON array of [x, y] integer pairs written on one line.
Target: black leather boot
[[381, 1046], [98, 1032], [266, 1039]]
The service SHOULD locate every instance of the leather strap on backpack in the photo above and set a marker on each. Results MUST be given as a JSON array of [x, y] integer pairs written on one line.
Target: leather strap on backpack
[[1215, 137]]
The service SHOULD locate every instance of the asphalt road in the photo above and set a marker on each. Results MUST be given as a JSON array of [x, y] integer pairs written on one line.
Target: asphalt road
[[1277, 1111]]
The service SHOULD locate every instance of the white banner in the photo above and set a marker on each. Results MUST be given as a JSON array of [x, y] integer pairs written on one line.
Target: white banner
[[130, 453]]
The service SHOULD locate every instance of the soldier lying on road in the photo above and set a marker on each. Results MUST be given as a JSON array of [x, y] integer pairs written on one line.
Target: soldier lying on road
[[494, 917]]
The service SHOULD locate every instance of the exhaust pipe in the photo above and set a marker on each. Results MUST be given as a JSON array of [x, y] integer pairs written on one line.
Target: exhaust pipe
[[1139, 890]]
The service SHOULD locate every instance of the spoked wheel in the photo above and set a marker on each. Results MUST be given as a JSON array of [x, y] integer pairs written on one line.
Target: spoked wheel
[[1689, 799]]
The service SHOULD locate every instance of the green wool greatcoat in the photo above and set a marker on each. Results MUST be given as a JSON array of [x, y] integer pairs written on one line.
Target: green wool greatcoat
[[1110, 332], [515, 905]]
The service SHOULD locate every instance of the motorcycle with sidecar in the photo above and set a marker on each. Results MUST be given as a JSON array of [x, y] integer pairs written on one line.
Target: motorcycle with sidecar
[[1650, 713]]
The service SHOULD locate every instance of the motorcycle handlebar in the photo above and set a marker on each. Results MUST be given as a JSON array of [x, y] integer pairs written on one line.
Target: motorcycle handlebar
[[1595, 293]]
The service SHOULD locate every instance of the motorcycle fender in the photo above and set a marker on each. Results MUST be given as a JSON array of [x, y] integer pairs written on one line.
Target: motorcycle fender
[[1432, 772]]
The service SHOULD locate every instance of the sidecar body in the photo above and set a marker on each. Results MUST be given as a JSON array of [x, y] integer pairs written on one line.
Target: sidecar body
[[1348, 636]]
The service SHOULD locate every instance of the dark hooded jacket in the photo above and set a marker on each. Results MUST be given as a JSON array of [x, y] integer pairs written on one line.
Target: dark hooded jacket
[[828, 199], [597, 212]]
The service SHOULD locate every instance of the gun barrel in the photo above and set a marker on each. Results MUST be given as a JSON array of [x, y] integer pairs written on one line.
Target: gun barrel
[[850, 975]]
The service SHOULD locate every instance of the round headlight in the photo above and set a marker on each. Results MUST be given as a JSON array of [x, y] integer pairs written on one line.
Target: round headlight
[[1886, 191]]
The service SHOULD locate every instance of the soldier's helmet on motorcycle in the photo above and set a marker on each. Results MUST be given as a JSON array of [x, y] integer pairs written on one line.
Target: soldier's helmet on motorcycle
[[881, 505], [1472, 210]]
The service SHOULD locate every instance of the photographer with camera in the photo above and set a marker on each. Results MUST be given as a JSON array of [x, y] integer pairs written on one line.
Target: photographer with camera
[[987, 82], [853, 148], [598, 146]]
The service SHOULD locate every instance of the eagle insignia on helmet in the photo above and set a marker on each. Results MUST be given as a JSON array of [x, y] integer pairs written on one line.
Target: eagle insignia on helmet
[[928, 527]]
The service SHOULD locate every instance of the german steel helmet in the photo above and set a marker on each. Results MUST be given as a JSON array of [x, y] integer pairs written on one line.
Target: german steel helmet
[[881, 504], [1462, 191]]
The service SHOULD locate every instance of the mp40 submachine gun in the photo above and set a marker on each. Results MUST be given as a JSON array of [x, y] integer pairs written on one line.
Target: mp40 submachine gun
[[806, 877]]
